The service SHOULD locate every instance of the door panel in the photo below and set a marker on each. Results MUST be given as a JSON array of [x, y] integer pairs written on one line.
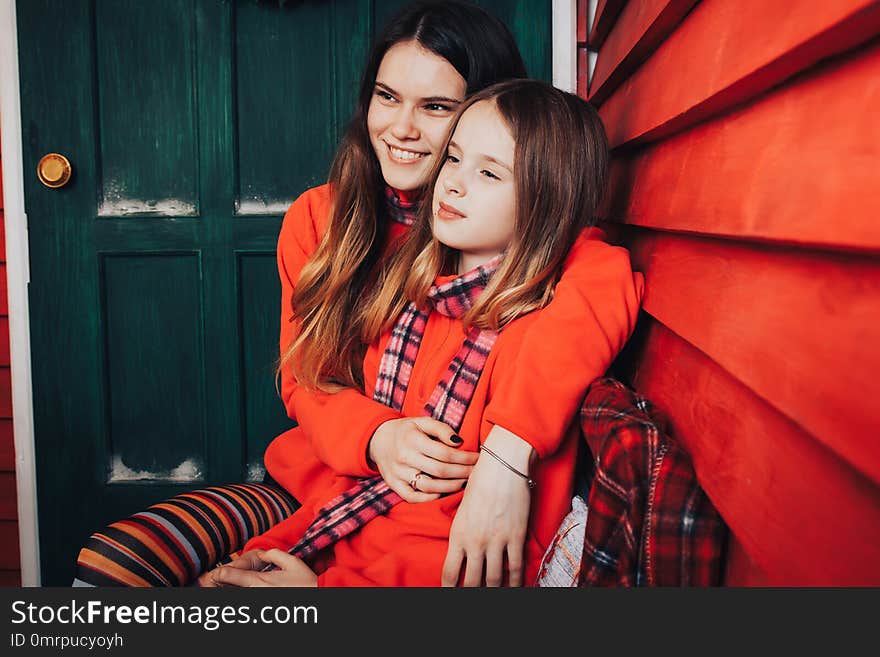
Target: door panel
[[155, 385], [259, 292], [142, 114], [191, 125], [285, 73]]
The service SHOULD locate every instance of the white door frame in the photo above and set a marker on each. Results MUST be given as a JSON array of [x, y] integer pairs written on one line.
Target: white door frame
[[17, 279], [565, 45], [564, 20]]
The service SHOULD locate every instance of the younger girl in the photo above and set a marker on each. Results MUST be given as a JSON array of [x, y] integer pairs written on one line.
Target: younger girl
[[523, 171]]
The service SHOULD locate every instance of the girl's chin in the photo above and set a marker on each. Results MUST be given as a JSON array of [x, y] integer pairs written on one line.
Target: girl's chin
[[406, 180], [403, 184]]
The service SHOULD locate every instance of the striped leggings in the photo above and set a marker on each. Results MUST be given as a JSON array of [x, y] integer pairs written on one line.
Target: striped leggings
[[173, 542]]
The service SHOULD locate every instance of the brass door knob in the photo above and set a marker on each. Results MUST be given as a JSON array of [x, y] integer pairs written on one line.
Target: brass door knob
[[54, 170]]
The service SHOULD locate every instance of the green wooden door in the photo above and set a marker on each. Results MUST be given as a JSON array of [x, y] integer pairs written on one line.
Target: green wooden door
[[190, 125]]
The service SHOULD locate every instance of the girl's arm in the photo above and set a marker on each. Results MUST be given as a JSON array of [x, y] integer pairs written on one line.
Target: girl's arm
[[538, 384], [490, 524], [570, 343]]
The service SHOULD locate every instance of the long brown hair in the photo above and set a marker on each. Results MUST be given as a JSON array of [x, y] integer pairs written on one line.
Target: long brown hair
[[328, 352], [560, 167]]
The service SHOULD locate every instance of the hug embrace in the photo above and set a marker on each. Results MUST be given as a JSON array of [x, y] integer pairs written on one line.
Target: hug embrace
[[446, 303]]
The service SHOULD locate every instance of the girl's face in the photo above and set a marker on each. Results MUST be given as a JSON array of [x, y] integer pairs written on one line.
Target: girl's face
[[414, 97], [475, 195]]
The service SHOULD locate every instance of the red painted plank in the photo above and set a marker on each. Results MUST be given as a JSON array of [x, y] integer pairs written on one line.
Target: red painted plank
[[2, 223], [4, 301], [800, 329], [803, 516], [9, 552], [726, 53], [582, 71], [766, 171], [640, 29], [607, 12], [8, 496], [582, 27], [4, 341], [5, 393], [10, 578], [7, 446]]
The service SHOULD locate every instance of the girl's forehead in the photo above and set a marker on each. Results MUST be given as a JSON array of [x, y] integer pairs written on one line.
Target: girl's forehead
[[420, 72], [482, 128]]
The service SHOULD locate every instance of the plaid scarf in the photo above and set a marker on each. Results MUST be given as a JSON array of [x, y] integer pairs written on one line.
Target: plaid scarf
[[402, 210], [372, 497]]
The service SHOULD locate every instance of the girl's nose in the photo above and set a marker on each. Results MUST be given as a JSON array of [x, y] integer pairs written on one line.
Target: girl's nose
[[404, 124], [452, 185]]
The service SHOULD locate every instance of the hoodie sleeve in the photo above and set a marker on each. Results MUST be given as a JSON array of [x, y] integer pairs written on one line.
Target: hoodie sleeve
[[339, 425], [571, 342]]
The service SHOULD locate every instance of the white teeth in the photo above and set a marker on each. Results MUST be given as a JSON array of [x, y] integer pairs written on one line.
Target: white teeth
[[404, 155]]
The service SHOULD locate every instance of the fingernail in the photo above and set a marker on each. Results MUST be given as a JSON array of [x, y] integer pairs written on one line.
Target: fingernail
[[456, 439]]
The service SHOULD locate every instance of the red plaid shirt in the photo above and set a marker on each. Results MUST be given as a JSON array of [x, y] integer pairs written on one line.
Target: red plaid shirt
[[649, 523]]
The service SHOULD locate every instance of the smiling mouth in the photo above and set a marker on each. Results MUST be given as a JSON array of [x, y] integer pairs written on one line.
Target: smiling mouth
[[403, 156]]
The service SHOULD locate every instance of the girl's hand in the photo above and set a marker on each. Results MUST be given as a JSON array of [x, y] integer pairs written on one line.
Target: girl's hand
[[491, 522], [247, 561], [293, 571], [423, 451]]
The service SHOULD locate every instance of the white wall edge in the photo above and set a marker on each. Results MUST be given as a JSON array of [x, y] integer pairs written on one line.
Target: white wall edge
[[592, 58], [565, 45], [17, 279]]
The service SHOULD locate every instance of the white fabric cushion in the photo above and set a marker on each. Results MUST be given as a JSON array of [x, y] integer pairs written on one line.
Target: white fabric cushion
[[561, 564]]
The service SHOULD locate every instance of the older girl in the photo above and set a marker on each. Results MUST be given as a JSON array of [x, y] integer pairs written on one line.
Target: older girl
[[449, 330]]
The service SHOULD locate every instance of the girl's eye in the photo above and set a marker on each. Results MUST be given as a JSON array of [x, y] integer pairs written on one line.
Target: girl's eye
[[451, 158], [384, 95], [489, 174], [437, 107]]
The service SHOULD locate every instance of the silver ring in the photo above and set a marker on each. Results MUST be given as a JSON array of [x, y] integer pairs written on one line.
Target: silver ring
[[414, 482]]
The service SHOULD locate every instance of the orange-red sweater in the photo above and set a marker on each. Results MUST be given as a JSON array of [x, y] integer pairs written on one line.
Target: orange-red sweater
[[551, 357]]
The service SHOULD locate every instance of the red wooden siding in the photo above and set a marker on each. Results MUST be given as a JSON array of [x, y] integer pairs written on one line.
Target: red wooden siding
[[641, 27], [591, 37], [5, 394], [607, 12], [4, 340], [793, 326], [726, 53], [792, 160], [583, 29], [7, 451], [582, 64], [10, 574], [581, 37], [746, 155], [802, 515]]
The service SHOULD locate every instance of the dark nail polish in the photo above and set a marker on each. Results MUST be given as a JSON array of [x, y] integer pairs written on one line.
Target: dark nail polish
[[456, 439]]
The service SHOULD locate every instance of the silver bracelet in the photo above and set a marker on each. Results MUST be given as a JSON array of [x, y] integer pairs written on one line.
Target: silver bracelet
[[529, 480]]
